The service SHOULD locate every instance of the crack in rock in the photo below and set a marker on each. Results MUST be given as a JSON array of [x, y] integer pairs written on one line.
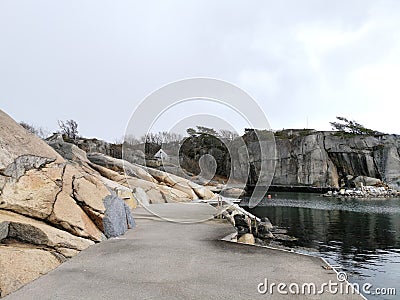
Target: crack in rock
[[25, 163]]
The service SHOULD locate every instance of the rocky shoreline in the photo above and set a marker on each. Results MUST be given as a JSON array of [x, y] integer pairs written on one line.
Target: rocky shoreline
[[367, 192], [251, 229], [57, 199]]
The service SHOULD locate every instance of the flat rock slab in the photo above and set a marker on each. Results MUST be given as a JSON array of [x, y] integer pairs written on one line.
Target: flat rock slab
[[169, 260]]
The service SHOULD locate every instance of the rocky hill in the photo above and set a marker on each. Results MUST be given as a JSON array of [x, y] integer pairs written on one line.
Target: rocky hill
[[304, 158], [56, 200], [328, 159]]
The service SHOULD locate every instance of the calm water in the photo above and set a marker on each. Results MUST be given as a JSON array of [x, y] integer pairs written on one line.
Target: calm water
[[362, 236]]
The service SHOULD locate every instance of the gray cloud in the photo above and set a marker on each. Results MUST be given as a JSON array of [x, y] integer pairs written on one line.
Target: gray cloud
[[94, 61]]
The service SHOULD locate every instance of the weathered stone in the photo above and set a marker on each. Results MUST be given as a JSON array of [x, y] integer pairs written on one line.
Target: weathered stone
[[69, 151], [134, 156], [141, 196], [203, 192], [36, 232], [265, 235], [16, 141], [4, 230], [365, 180], [67, 252], [156, 196], [128, 198], [175, 182], [33, 194], [240, 220], [89, 193], [20, 265], [157, 193], [121, 166], [156, 183], [37, 183], [69, 215], [122, 192], [247, 238], [321, 159], [174, 195], [232, 192], [24, 163], [118, 217], [110, 174], [388, 162], [265, 225]]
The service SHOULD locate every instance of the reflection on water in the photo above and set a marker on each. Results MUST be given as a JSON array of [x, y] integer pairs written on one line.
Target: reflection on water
[[363, 236]]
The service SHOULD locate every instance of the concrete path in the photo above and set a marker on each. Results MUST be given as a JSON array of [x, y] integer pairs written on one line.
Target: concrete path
[[167, 260]]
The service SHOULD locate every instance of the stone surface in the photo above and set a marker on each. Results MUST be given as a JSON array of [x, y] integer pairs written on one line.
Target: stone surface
[[33, 194], [122, 192], [323, 159], [16, 141], [71, 217], [51, 205], [141, 196], [388, 163], [3, 230], [39, 233], [118, 217], [232, 192], [110, 174], [24, 163], [121, 166], [160, 186], [20, 265], [68, 214], [69, 151], [365, 180], [247, 238]]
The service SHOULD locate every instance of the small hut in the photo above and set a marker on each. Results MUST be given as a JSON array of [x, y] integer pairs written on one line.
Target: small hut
[[161, 155]]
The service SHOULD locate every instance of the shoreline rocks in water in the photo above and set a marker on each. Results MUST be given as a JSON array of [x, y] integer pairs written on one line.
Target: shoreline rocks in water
[[365, 192], [248, 227]]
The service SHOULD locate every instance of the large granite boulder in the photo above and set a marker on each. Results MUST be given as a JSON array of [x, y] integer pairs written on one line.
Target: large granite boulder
[[121, 166], [68, 151], [161, 187], [50, 207], [20, 264], [118, 218], [36, 232]]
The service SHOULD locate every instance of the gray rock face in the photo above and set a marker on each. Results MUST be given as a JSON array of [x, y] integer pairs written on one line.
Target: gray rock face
[[69, 151], [304, 161], [322, 159], [366, 181], [118, 216], [141, 196], [120, 165], [4, 230], [24, 163], [388, 164]]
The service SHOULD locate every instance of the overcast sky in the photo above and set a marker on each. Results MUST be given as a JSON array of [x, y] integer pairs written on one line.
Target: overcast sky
[[94, 61]]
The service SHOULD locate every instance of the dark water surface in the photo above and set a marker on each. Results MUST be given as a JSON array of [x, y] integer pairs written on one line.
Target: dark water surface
[[362, 236]]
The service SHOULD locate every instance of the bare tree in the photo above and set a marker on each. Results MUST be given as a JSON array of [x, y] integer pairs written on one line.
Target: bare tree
[[161, 137], [131, 140], [39, 131], [227, 134], [69, 128]]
